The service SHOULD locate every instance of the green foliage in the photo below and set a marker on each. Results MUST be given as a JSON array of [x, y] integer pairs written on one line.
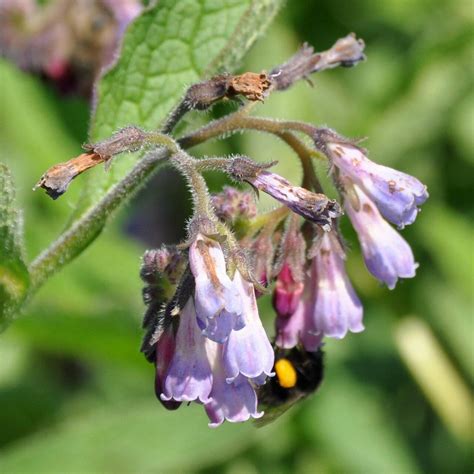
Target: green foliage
[[13, 272], [141, 442], [170, 45], [75, 394], [168, 48]]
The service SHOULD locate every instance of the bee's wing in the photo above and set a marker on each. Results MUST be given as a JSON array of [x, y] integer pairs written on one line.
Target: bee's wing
[[271, 413]]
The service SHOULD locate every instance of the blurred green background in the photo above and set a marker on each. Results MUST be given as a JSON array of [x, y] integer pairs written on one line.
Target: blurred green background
[[76, 395]]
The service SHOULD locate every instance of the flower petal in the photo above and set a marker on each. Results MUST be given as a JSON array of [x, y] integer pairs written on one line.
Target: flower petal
[[387, 254], [396, 194], [218, 307], [234, 402], [189, 376], [248, 351], [336, 307]]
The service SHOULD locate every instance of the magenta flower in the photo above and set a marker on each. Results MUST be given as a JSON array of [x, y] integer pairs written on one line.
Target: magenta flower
[[189, 376], [336, 308], [386, 253], [248, 351], [396, 194], [218, 304], [287, 293]]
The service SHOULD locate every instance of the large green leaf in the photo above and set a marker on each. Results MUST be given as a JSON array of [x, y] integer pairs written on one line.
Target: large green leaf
[[168, 48], [139, 437], [13, 271]]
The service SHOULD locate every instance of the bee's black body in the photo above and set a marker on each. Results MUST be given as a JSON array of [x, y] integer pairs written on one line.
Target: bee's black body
[[275, 399]]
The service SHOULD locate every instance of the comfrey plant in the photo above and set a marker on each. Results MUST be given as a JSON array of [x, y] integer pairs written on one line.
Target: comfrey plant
[[203, 330]]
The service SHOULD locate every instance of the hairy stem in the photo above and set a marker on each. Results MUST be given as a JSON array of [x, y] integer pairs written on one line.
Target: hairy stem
[[310, 180], [199, 190], [237, 122]]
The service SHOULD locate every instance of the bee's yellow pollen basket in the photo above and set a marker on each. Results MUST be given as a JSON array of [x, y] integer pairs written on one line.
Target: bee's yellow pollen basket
[[285, 373]]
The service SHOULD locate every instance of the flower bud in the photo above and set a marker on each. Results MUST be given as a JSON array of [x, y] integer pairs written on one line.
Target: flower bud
[[232, 204]]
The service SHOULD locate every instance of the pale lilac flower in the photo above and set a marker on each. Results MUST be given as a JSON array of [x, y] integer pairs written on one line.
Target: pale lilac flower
[[218, 304], [297, 328], [234, 401], [317, 208], [287, 293], [396, 194], [248, 351], [336, 308], [386, 253], [189, 376]]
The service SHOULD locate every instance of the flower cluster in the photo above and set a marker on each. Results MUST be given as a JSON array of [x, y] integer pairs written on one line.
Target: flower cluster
[[204, 333], [220, 351], [213, 349]]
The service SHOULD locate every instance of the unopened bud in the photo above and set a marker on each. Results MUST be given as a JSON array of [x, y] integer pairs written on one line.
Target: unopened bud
[[232, 204]]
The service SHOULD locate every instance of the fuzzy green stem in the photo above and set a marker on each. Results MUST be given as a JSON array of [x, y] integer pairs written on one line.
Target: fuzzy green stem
[[237, 122], [189, 167]]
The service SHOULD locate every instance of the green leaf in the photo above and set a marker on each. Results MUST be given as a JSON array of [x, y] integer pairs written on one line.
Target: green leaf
[[351, 424], [13, 271], [448, 238], [140, 437], [168, 48]]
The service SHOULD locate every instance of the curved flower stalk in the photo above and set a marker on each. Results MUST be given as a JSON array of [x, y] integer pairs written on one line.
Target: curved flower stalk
[[386, 253]]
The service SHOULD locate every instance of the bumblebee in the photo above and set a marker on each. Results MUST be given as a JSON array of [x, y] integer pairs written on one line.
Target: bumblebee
[[298, 373]]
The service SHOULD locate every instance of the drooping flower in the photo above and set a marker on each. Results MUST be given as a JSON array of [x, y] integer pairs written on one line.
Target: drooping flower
[[396, 194], [234, 401], [247, 351], [218, 305], [387, 254], [336, 308], [189, 376]]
